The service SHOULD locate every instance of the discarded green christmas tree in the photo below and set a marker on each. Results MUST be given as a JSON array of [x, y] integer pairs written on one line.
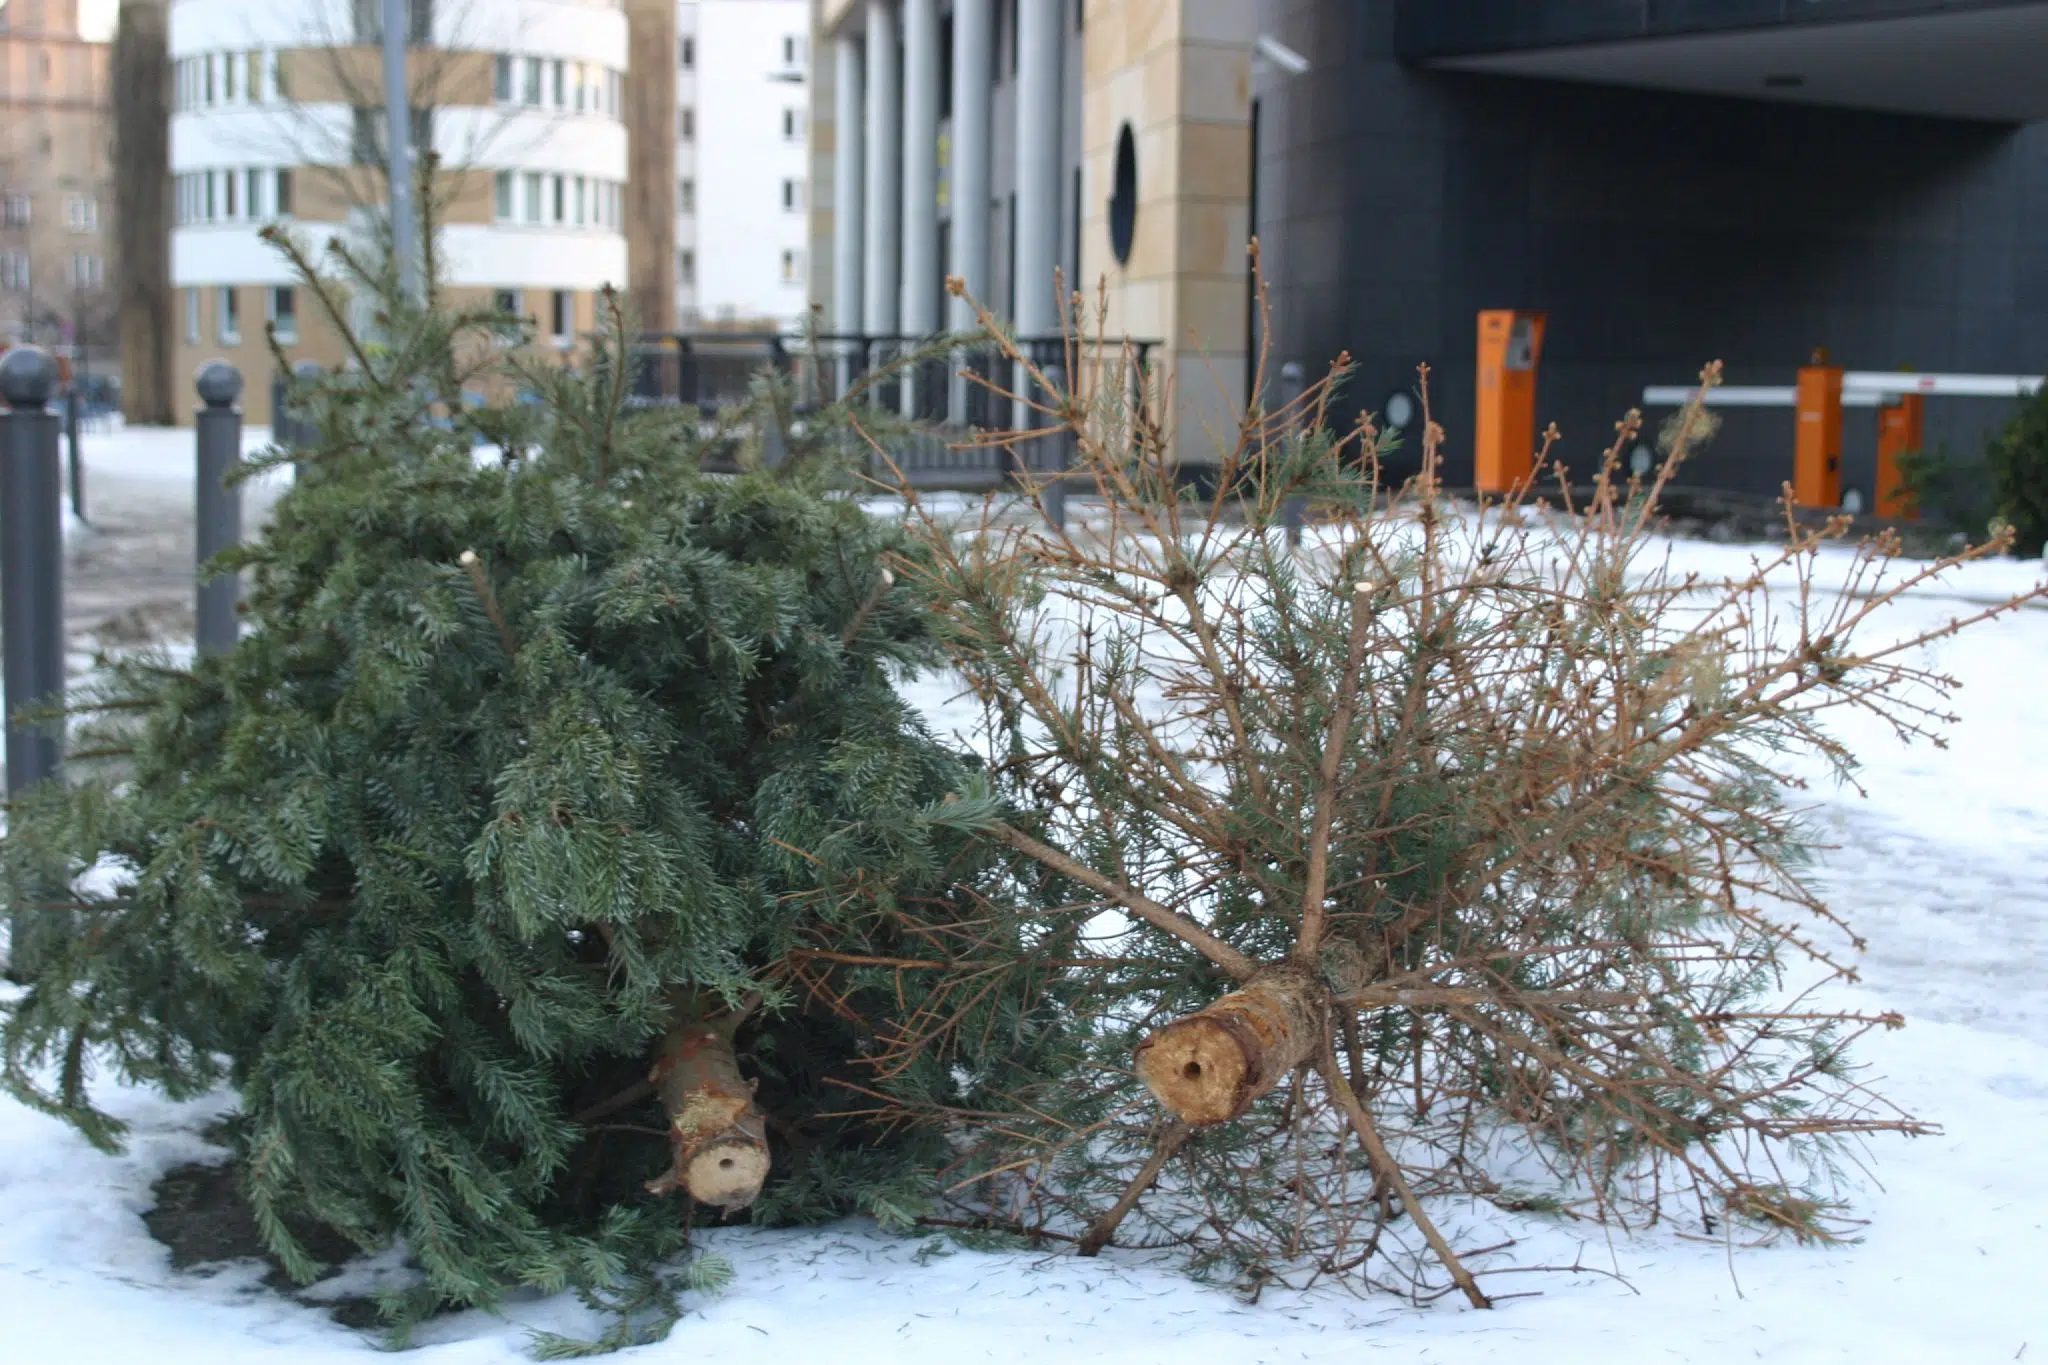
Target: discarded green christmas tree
[[537, 859]]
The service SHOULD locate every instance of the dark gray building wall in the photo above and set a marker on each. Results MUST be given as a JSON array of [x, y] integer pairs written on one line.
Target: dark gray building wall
[[1658, 231]]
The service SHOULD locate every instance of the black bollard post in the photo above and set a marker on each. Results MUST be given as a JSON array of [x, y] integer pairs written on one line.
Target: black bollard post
[[219, 426], [1293, 511], [298, 428], [1054, 496], [72, 405], [281, 433], [31, 562], [305, 372]]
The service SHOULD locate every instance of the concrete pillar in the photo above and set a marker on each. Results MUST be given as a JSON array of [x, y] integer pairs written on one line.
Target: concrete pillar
[[883, 240], [849, 209], [1038, 165], [921, 292], [973, 39]]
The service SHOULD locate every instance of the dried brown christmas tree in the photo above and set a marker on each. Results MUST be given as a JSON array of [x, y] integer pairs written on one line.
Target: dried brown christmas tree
[[1450, 854]]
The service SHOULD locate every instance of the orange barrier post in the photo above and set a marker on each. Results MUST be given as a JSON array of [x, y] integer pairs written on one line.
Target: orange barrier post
[[1901, 427], [1504, 427], [1817, 447]]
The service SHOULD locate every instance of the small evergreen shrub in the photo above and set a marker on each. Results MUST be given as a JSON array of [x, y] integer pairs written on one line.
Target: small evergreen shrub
[[1951, 489], [2018, 460]]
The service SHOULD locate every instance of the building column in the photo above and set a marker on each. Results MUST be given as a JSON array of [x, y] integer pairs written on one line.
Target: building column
[[921, 291], [973, 55], [1038, 168], [849, 162], [883, 238]]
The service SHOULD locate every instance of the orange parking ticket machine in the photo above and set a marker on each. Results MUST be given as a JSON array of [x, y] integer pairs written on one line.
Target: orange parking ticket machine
[[1504, 432], [1817, 446], [1901, 427]]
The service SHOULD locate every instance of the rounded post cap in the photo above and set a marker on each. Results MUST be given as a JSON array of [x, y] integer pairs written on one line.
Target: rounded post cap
[[219, 384], [28, 376], [1292, 371]]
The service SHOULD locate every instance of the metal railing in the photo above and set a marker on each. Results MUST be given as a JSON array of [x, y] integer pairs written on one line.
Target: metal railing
[[945, 393]]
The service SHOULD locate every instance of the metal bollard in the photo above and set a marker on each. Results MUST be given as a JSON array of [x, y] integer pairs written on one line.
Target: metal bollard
[[72, 406], [219, 427], [304, 373], [281, 432], [1293, 511], [1054, 494], [31, 561]]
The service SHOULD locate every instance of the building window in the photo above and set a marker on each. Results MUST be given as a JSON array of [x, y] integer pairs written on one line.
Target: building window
[[501, 81], [560, 82], [502, 196], [14, 270], [581, 214], [17, 209], [191, 317], [228, 196], [686, 124], [229, 319], [227, 77], [560, 315], [792, 195], [253, 65], [789, 50], [789, 125], [561, 200], [686, 52], [578, 78], [789, 267], [612, 95], [280, 88], [210, 178], [81, 213], [252, 180], [506, 301], [283, 206], [531, 93], [686, 196], [207, 63], [284, 313], [686, 266], [85, 271], [533, 188]]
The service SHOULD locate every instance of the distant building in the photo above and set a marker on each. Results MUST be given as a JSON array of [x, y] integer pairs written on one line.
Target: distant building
[[1743, 180], [742, 167], [56, 278], [278, 118]]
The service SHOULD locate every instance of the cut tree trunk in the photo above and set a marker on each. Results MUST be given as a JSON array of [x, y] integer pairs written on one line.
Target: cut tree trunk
[[720, 1135], [1210, 1066]]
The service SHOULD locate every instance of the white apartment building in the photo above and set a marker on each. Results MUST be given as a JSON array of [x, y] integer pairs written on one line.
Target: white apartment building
[[278, 111], [742, 133]]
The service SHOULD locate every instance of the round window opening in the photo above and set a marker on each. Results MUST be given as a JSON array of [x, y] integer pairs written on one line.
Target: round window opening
[[1123, 202]]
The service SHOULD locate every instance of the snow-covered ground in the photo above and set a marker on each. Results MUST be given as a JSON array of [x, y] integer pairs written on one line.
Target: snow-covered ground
[[1943, 867]]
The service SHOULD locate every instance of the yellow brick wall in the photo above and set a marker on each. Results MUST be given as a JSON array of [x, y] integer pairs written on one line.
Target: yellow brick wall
[[1178, 72]]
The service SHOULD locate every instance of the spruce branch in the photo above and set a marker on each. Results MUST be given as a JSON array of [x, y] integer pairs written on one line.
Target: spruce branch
[[473, 566], [1228, 959]]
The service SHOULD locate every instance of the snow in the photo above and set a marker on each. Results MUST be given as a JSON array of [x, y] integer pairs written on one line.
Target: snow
[[1942, 867]]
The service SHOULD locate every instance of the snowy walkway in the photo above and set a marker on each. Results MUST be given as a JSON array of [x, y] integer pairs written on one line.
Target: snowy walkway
[[1943, 868]]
